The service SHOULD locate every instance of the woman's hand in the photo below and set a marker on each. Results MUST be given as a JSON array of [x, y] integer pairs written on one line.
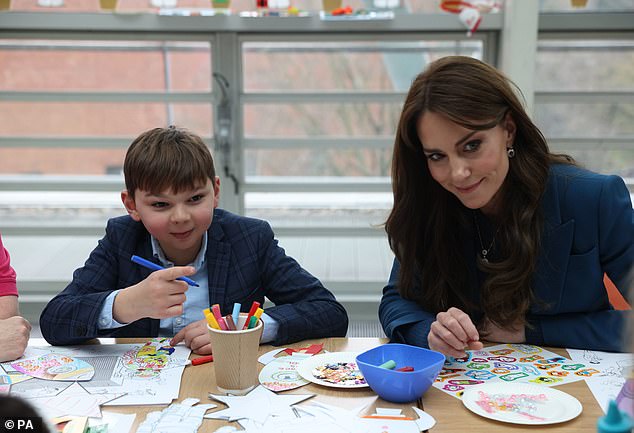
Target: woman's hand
[[511, 334], [452, 333]]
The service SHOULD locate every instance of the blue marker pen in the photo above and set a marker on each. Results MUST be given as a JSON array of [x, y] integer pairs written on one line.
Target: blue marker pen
[[153, 266], [235, 314]]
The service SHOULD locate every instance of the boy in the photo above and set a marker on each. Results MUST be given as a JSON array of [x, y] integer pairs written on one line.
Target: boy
[[171, 197]]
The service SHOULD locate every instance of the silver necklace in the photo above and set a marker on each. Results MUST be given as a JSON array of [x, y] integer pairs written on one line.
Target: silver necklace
[[485, 251]]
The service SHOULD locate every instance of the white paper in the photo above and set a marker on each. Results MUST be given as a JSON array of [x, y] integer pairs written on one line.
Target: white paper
[[116, 422], [614, 369], [257, 405], [114, 374], [73, 401], [183, 417]]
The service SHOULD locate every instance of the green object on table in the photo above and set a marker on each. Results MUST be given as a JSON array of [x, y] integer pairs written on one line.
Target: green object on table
[[389, 365]]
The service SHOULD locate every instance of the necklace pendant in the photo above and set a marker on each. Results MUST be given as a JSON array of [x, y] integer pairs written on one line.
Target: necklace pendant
[[484, 260], [484, 254]]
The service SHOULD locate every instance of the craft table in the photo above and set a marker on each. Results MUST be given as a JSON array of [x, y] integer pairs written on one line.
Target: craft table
[[449, 412]]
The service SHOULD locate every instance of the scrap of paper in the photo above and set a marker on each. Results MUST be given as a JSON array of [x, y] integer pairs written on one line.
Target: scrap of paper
[[111, 422], [318, 418], [70, 424], [53, 366], [72, 401], [183, 417], [281, 373], [522, 363], [8, 376], [614, 369], [313, 349], [257, 405]]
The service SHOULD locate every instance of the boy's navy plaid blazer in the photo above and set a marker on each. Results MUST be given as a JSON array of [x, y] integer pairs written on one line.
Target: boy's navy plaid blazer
[[244, 262]]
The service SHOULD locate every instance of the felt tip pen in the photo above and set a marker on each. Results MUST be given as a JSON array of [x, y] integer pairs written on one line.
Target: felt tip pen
[[153, 266], [202, 360]]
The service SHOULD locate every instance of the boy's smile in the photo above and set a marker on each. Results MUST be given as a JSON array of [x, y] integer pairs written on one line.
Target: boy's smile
[[177, 221]]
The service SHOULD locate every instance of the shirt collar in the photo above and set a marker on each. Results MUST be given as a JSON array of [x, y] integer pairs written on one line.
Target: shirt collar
[[198, 262]]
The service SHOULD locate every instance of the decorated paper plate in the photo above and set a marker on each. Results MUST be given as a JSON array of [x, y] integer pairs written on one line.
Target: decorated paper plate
[[335, 369], [521, 403]]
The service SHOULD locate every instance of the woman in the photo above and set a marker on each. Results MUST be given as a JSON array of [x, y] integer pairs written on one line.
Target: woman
[[495, 237]]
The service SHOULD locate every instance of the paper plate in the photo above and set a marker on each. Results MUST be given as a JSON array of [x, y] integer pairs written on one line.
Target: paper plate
[[521, 403], [343, 377]]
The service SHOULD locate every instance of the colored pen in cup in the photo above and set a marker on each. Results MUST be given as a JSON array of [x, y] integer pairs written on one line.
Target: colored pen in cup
[[153, 266], [252, 311]]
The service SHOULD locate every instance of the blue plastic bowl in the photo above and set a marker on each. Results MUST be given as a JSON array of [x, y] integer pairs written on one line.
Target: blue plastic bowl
[[398, 386]]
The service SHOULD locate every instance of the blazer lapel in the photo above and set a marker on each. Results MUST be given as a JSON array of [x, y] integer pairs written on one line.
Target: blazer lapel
[[557, 236], [218, 257]]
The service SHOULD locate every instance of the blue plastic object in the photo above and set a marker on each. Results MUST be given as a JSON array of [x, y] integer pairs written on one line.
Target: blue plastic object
[[400, 386], [614, 421]]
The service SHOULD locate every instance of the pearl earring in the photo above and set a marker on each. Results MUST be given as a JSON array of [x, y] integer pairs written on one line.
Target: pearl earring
[[510, 152]]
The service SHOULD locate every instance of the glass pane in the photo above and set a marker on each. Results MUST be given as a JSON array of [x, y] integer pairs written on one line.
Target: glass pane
[[29, 160], [585, 5], [59, 208], [609, 161], [359, 210], [343, 65], [82, 119], [592, 120], [100, 66], [314, 120], [584, 65], [315, 162]]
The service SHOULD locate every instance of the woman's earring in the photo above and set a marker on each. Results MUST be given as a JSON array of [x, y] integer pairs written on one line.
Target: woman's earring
[[510, 152]]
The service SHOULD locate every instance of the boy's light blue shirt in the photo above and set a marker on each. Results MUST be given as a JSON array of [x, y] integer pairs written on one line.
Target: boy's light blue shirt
[[197, 299]]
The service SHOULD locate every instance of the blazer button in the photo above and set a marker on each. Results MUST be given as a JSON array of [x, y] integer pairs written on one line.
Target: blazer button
[[80, 330]]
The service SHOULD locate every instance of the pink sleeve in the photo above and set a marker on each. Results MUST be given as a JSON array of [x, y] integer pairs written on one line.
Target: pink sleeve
[[7, 274]]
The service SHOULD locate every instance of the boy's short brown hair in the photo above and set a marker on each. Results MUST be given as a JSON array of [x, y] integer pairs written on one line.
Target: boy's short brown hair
[[164, 159]]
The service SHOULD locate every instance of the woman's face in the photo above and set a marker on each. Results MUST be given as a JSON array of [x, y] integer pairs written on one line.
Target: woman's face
[[472, 165]]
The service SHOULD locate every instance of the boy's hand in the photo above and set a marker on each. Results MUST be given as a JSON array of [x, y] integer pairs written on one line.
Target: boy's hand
[[14, 336], [196, 337], [452, 333], [159, 296]]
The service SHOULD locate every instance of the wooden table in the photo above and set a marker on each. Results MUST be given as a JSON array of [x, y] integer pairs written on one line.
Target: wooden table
[[449, 412]]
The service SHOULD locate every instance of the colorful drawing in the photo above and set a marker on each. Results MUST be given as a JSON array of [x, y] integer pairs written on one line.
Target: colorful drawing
[[281, 373], [53, 366], [148, 360], [517, 363]]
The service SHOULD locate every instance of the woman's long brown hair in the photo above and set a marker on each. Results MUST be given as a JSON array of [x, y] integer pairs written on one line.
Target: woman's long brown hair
[[427, 224]]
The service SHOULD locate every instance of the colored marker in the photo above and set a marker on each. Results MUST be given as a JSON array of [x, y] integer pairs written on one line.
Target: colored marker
[[229, 321], [235, 313], [211, 320], [406, 368], [252, 322], [389, 365], [254, 308], [153, 266], [202, 360]]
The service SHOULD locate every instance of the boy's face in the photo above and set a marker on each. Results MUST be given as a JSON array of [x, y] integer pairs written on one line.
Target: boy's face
[[177, 221]]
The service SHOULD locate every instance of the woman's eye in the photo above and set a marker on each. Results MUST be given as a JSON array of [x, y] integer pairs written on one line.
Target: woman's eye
[[435, 157], [472, 145]]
